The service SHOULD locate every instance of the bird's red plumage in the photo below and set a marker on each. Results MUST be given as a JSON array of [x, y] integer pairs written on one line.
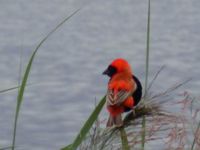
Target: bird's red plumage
[[120, 87]]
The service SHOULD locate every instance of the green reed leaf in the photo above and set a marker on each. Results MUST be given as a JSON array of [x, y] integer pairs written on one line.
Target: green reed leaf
[[26, 75]]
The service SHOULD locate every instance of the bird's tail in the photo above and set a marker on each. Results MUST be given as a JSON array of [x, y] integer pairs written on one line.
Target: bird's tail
[[115, 120]]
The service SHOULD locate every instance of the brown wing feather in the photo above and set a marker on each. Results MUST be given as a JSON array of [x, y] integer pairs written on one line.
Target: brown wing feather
[[117, 99]]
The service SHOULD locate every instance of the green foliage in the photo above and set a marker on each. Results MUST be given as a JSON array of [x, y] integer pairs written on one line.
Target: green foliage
[[20, 95]]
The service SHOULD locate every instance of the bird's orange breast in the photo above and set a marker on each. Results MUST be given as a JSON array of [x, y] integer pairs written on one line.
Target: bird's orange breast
[[121, 81]]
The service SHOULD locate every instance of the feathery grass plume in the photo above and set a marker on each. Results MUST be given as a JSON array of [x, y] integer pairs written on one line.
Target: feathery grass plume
[[196, 140], [194, 110], [161, 124], [26, 75]]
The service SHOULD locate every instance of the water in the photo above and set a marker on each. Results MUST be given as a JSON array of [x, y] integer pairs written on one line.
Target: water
[[67, 70]]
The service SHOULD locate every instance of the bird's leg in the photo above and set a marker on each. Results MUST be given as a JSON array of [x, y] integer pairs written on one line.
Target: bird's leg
[[118, 121]]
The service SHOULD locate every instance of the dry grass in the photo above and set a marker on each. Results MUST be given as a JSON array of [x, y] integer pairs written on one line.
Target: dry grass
[[178, 130]]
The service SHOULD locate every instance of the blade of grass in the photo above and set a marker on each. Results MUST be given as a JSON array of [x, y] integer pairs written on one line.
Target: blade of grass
[[143, 131], [155, 77], [26, 74], [9, 89], [147, 49], [86, 127], [15, 87], [146, 73], [124, 139], [20, 67]]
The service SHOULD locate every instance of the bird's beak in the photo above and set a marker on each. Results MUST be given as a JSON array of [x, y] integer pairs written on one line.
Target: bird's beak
[[106, 72]]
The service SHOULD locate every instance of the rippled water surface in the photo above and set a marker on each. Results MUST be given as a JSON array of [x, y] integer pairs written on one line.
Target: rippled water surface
[[66, 73]]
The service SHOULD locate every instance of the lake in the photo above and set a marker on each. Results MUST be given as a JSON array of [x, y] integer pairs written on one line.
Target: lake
[[66, 77]]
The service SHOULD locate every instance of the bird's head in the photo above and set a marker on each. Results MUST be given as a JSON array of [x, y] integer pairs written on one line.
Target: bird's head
[[117, 66]]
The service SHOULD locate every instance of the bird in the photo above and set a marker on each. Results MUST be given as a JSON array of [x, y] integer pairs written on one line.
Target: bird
[[124, 91]]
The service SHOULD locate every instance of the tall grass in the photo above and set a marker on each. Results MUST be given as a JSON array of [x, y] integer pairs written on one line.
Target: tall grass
[[26, 75], [146, 72], [147, 48]]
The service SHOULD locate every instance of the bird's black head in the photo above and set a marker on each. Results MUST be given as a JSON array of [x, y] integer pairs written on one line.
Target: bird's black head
[[110, 71]]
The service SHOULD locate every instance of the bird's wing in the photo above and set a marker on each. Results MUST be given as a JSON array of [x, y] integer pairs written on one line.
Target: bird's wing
[[119, 98]]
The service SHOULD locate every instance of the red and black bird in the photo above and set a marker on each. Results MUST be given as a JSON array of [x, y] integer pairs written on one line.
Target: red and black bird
[[124, 90]]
